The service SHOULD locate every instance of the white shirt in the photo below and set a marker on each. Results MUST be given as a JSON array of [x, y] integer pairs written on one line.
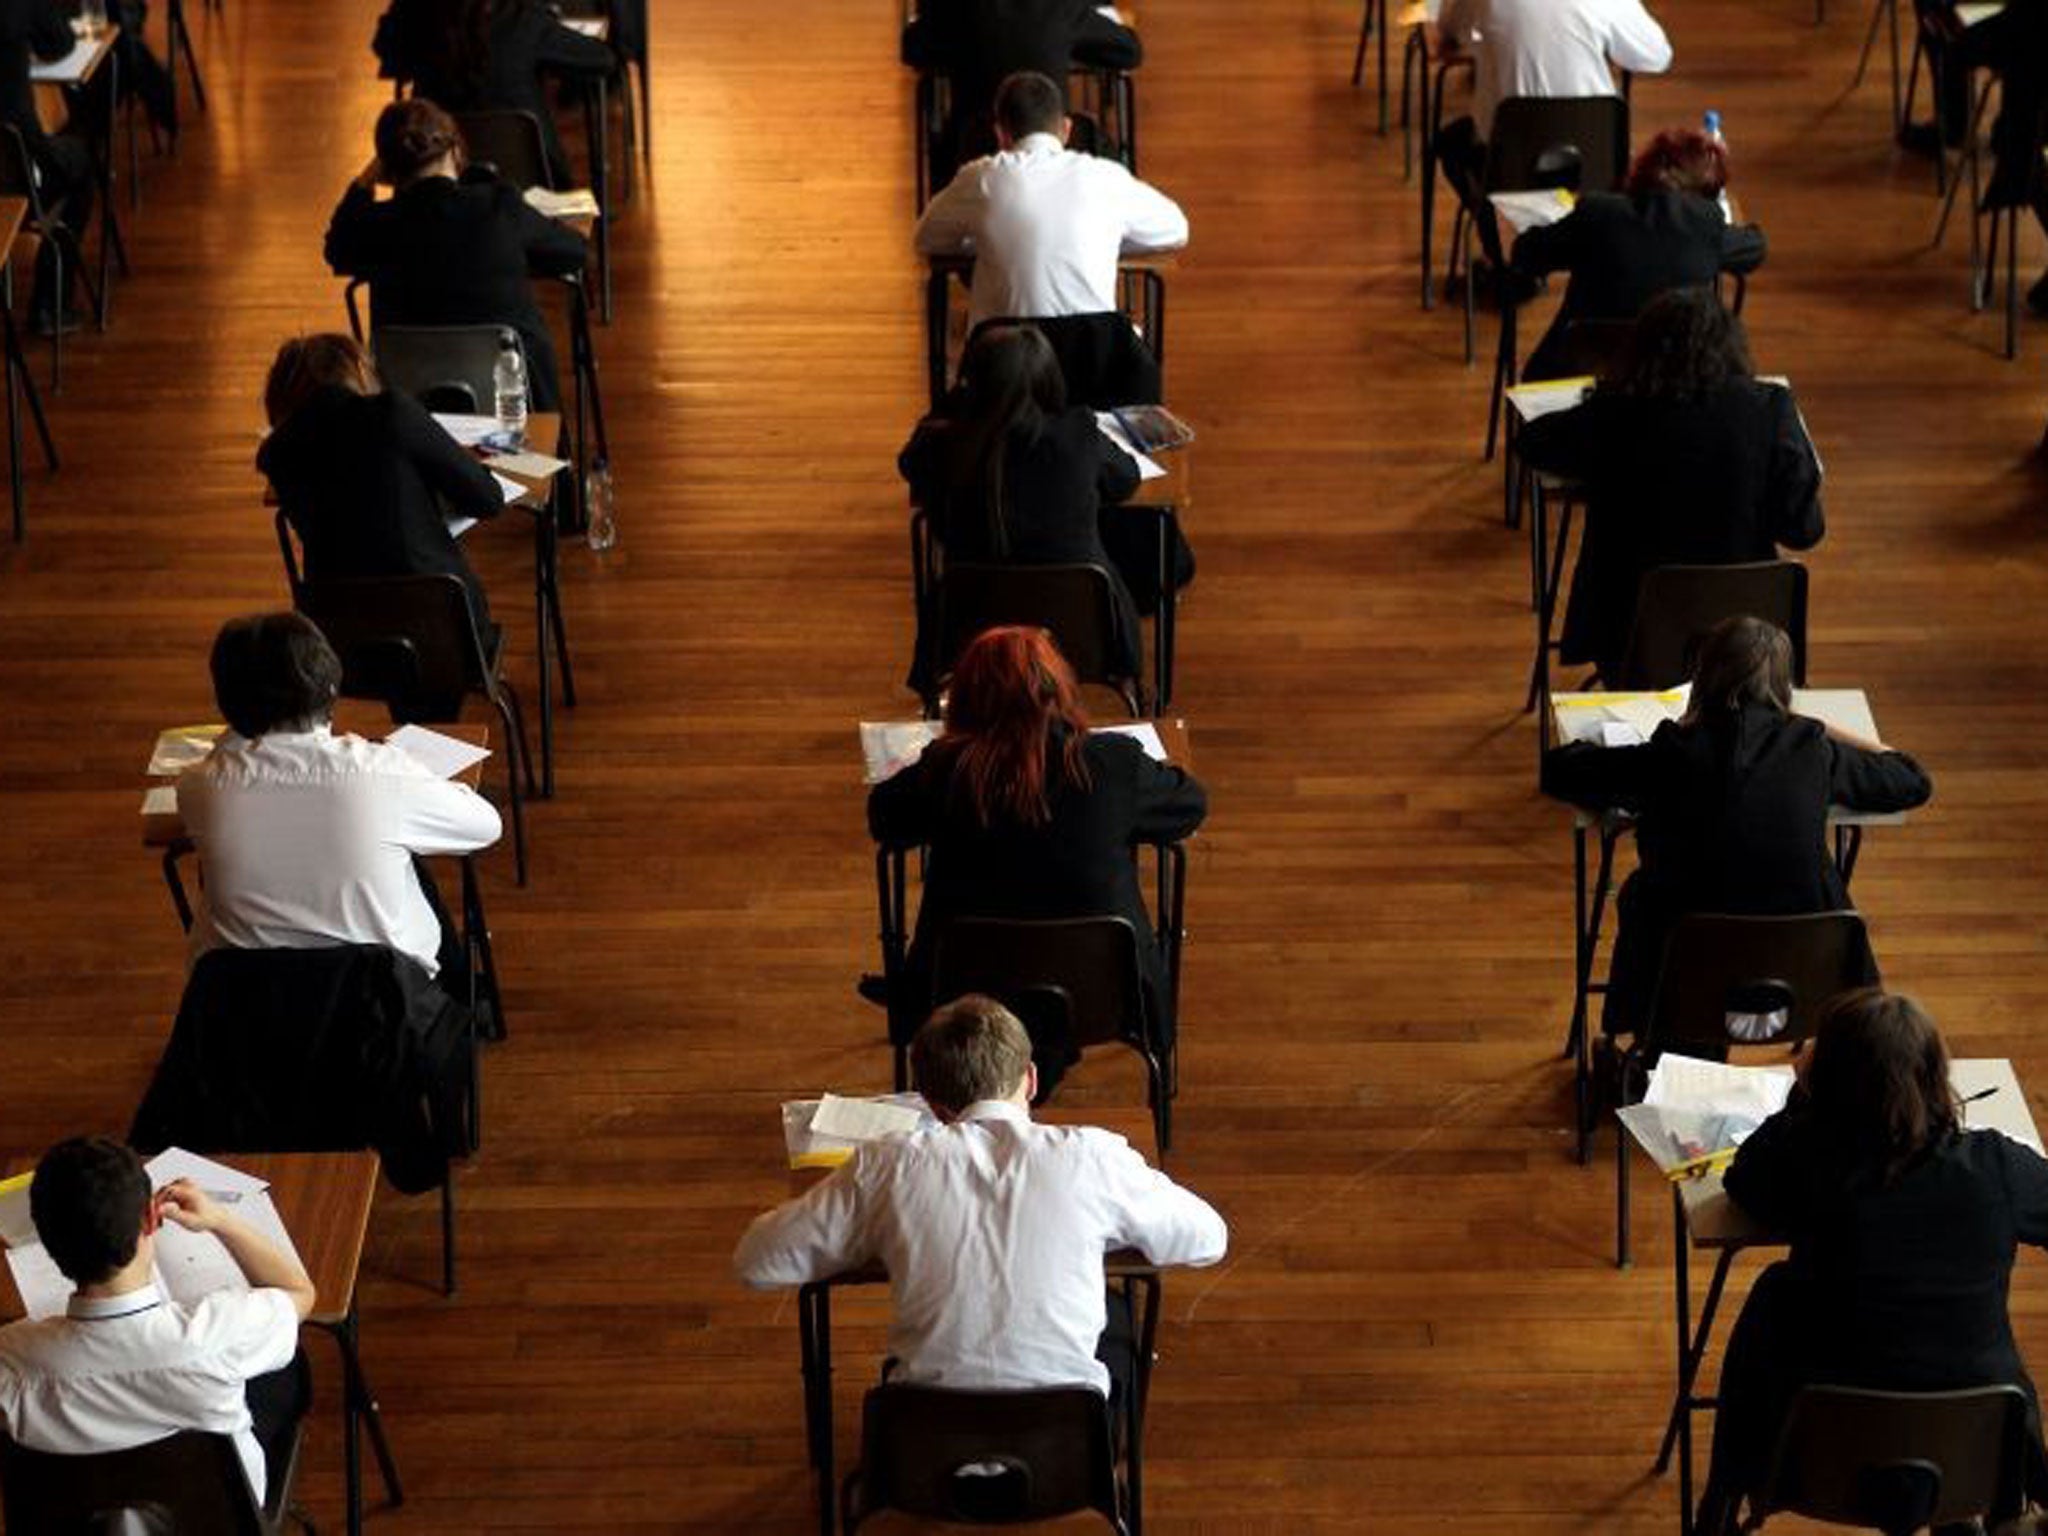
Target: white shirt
[[1551, 47], [122, 1371], [1045, 226], [992, 1230], [307, 841]]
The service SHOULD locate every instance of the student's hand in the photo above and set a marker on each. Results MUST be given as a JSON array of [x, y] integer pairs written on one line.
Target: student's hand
[[371, 175], [185, 1204]]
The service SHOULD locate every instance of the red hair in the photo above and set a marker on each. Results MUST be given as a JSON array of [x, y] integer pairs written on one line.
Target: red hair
[[1680, 160], [1011, 688]]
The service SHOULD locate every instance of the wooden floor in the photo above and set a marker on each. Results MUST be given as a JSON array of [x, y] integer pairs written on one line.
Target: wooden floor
[[1418, 1328]]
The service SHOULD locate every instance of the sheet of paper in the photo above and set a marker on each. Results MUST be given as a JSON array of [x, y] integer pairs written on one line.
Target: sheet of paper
[[1972, 12], [179, 748], [1531, 210], [458, 526], [589, 26], [1634, 717], [160, 800], [848, 1119], [1532, 402], [887, 747], [442, 756], [193, 1265], [1619, 733], [1144, 733], [535, 466], [1717, 1087], [17, 1227], [509, 490], [571, 203], [217, 1179], [1149, 468], [44, 1290], [70, 69], [806, 1149], [468, 430]]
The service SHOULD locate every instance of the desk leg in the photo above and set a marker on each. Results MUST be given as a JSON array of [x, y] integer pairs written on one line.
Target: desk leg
[[814, 1336], [1848, 844], [1692, 1349], [359, 1406], [17, 370], [110, 221], [600, 186], [1428, 183], [476, 940], [1165, 620], [21, 373], [1136, 1287]]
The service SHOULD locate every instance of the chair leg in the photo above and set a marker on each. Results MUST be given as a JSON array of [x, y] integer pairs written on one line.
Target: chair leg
[[515, 772], [448, 1233], [646, 115], [1364, 34]]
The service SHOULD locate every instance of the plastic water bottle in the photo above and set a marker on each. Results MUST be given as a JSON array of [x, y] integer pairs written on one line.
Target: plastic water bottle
[[1711, 124], [603, 530], [508, 378]]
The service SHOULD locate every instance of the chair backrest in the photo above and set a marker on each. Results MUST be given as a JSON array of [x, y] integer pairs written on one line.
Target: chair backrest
[[1077, 603], [1718, 965], [1580, 142], [1900, 1461], [1677, 604], [1090, 963], [509, 141], [190, 1482], [444, 367], [984, 1458], [1103, 359], [406, 641], [1591, 346]]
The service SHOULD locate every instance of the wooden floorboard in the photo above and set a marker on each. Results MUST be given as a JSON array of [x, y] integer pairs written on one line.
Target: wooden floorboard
[[1419, 1328]]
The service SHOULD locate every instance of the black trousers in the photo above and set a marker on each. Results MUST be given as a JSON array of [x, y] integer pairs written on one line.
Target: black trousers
[[1461, 155], [277, 1403]]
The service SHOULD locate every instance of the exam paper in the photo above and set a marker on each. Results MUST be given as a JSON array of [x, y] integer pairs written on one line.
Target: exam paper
[[442, 756], [160, 800], [1589, 716], [468, 430], [847, 1119], [535, 466], [1532, 210], [509, 490], [1149, 468], [1717, 1087], [217, 1179], [1144, 733], [180, 748], [44, 1290], [887, 747], [17, 1226], [574, 203]]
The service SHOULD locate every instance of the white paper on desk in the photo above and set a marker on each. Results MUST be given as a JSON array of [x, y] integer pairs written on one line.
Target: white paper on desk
[[44, 1290], [535, 466], [191, 1266], [1717, 1087], [861, 1119], [573, 203], [589, 26], [1144, 733], [1971, 12], [887, 747], [808, 1149], [458, 526], [1531, 210], [70, 69], [1589, 716], [509, 490], [1532, 402], [160, 800], [217, 1179], [442, 756], [467, 429], [1149, 468], [17, 1226], [180, 748]]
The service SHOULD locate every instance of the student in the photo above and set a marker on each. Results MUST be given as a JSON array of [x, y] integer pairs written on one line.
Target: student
[[478, 55], [451, 247], [977, 44], [1664, 230], [126, 1365], [1025, 813], [1731, 804], [992, 1228], [1044, 223], [33, 31], [1535, 48], [1903, 1226], [366, 476], [308, 839], [1687, 460]]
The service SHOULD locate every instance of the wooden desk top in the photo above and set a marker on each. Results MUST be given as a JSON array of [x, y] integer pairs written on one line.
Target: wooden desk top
[[324, 1199], [1170, 489]]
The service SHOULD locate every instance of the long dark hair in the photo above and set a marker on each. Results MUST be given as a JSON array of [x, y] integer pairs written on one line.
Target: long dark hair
[[1742, 661], [1013, 386], [413, 135], [1011, 689], [1879, 1081], [1684, 346]]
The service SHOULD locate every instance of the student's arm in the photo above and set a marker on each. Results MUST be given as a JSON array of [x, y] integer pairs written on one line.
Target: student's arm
[[922, 461], [1742, 247], [2026, 1186], [567, 51], [350, 246], [440, 815], [1870, 777], [1597, 777], [810, 1238], [1634, 40], [1103, 43], [1792, 483], [1151, 1213], [947, 226], [1548, 247], [552, 248], [450, 470], [1567, 443], [1152, 220], [1116, 474], [1171, 801], [899, 809], [1764, 1178], [262, 1263]]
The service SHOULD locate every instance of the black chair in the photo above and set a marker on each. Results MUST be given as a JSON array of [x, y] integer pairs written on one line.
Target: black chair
[[444, 367], [1077, 603], [411, 644], [1721, 969], [1079, 979], [1677, 604], [1898, 1462], [18, 179], [190, 1483], [1103, 360], [985, 1458], [509, 142], [1574, 142]]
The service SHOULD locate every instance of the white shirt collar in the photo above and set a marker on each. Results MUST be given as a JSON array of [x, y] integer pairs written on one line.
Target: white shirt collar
[[1040, 144], [996, 1109], [99, 1309]]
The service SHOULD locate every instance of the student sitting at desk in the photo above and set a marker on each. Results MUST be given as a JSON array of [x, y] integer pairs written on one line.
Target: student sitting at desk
[[1045, 224], [1903, 1226], [365, 475], [451, 247], [480, 55], [308, 839], [1686, 460], [1026, 813], [1664, 230], [126, 1365], [1731, 803], [992, 1228], [977, 44], [33, 31]]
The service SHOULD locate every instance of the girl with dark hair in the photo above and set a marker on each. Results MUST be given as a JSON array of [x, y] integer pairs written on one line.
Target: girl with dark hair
[[367, 478], [451, 246], [1664, 230], [1025, 813], [1731, 804], [477, 55], [1008, 474], [1687, 460], [1903, 1227]]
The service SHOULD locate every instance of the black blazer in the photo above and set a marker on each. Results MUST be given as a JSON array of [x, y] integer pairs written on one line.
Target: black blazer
[[29, 30], [443, 252], [1716, 481], [1622, 251], [526, 40], [1082, 863], [1732, 817], [366, 480]]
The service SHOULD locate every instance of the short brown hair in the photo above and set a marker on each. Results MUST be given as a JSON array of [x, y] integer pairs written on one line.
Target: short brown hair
[[1027, 103], [411, 135], [1681, 160], [307, 364], [970, 1049], [274, 672]]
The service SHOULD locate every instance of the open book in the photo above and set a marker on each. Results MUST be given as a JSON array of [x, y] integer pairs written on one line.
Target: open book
[[1696, 1113], [189, 1265]]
